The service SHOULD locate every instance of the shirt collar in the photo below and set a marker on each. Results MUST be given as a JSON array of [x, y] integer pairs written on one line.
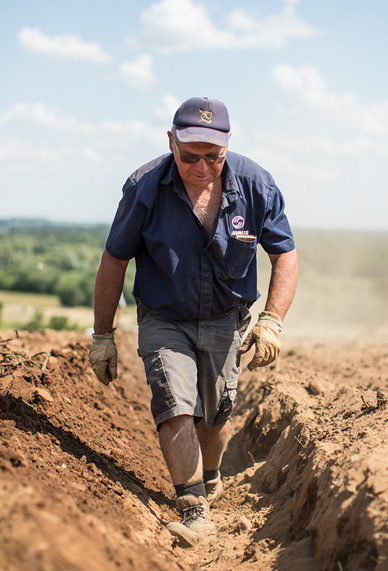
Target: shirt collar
[[171, 174], [229, 181]]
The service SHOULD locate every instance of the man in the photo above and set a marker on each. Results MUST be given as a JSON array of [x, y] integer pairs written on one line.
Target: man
[[192, 219]]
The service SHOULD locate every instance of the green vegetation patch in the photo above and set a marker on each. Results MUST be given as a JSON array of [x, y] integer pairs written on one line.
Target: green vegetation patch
[[57, 259]]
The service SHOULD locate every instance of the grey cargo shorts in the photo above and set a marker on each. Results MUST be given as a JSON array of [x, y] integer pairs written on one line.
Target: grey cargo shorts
[[192, 367]]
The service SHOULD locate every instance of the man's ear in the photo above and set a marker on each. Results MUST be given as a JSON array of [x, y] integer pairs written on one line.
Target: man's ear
[[170, 140]]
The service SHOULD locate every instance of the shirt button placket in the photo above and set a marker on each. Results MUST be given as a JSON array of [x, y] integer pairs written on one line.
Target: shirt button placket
[[206, 288]]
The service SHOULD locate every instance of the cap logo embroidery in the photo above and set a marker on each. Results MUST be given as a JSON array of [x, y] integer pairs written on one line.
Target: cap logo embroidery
[[238, 222], [206, 116]]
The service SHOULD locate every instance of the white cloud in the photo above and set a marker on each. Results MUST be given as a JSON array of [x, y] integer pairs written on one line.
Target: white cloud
[[50, 161], [272, 33], [63, 47], [305, 85], [73, 140], [36, 117], [327, 150], [308, 84], [132, 43], [91, 154], [182, 25], [139, 73], [39, 114], [21, 151], [179, 25], [112, 126], [317, 145], [167, 111]]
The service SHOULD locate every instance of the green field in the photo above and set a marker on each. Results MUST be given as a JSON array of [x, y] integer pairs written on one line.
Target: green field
[[19, 309]]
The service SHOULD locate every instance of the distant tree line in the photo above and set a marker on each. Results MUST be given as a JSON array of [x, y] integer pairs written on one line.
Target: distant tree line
[[54, 259]]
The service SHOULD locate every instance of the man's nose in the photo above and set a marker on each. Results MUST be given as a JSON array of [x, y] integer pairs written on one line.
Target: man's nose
[[202, 165]]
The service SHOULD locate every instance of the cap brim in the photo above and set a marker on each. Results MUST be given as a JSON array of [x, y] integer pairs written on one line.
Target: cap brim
[[202, 135]]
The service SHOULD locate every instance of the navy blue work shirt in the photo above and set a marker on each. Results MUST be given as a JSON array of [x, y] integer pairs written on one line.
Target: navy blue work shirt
[[180, 270]]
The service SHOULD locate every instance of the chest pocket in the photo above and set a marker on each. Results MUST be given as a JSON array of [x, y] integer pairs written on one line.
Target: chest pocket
[[238, 255]]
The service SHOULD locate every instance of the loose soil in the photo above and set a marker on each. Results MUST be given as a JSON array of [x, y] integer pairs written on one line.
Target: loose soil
[[83, 485]]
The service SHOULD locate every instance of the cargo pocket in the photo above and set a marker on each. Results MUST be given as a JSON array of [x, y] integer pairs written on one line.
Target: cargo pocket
[[162, 398], [227, 402], [238, 255]]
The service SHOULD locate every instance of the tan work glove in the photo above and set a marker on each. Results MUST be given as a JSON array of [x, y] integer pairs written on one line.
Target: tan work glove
[[103, 357], [266, 337]]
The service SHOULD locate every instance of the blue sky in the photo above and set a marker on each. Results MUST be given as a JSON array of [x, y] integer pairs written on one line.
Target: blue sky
[[89, 89]]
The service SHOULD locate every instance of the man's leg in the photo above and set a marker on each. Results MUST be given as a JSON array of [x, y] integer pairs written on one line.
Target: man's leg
[[181, 450], [213, 442], [182, 453]]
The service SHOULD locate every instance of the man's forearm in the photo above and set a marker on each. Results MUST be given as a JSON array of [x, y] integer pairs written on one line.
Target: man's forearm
[[283, 282], [107, 291]]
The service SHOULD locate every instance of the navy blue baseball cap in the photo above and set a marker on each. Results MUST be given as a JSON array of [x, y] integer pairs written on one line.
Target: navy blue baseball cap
[[202, 120]]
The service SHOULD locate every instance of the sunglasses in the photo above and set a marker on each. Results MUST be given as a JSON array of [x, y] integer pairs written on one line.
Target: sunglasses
[[193, 159]]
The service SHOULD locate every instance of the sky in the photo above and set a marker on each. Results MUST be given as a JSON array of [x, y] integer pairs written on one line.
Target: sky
[[89, 89]]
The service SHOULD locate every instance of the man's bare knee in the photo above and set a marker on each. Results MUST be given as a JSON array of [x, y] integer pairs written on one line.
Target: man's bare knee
[[213, 431], [177, 423]]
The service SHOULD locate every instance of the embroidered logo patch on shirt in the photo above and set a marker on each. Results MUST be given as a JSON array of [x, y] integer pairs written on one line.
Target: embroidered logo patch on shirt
[[238, 222]]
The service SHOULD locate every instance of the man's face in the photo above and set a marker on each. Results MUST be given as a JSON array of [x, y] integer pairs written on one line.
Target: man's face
[[199, 174]]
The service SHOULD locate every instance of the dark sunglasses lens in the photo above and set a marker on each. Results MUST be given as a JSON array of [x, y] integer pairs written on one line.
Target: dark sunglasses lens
[[193, 160], [189, 160]]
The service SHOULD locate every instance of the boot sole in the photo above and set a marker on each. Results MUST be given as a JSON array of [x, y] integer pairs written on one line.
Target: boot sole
[[187, 537]]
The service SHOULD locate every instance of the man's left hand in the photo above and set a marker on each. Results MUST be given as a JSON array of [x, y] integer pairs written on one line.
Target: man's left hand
[[265, 335]]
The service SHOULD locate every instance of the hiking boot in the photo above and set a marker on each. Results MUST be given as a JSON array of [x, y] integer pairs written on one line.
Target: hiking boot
[[195, 526], [214, 490]]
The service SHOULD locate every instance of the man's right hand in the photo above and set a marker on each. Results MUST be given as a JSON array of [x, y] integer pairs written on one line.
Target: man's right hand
[[103, 357]]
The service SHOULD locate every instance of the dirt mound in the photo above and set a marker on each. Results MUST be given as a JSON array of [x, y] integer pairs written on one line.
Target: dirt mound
[[83, 484]]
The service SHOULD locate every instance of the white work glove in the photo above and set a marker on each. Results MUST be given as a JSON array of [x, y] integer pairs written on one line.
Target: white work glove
[[266, 337], [103, 357]]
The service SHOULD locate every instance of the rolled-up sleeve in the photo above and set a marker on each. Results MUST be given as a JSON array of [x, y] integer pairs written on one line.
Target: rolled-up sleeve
[[276, 236]]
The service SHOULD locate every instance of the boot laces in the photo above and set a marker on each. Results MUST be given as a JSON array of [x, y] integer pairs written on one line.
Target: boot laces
[[193, 514]]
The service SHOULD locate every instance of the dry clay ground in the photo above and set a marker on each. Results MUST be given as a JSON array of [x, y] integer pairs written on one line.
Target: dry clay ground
[[83, 485]]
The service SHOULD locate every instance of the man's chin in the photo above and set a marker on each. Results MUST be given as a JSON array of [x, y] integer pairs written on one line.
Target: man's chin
[[201, 180]]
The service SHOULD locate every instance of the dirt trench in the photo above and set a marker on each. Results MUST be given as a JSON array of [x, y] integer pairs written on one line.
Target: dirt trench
[[83, 484]]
